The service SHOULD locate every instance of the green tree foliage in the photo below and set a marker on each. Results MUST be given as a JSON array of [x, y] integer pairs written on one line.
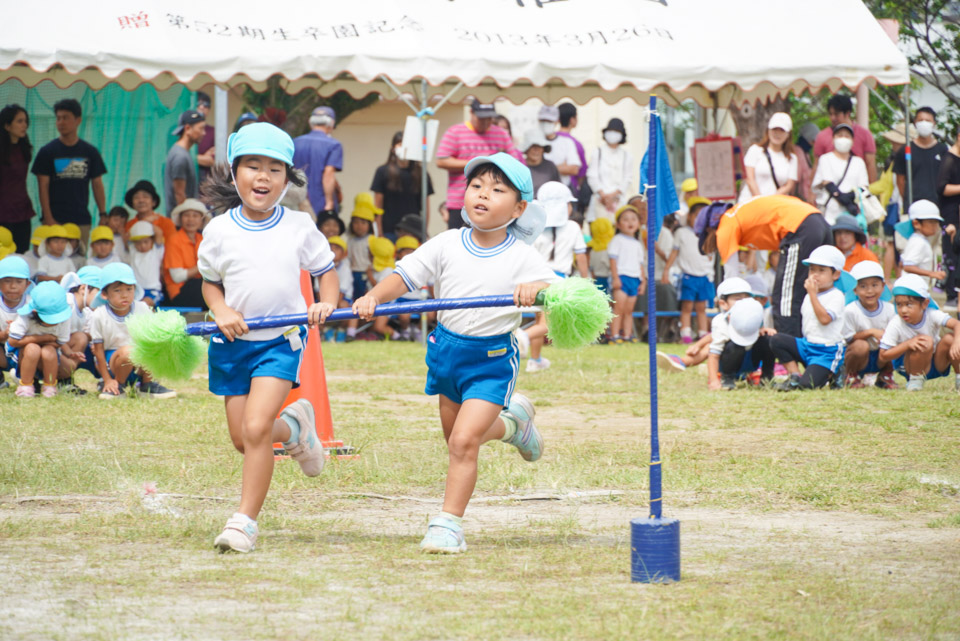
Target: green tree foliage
[[291, 112]]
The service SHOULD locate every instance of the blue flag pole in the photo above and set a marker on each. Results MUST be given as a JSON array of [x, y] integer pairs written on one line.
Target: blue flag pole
[[655, 541]]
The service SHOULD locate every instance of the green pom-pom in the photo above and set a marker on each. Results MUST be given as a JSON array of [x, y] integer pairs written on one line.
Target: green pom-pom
[[162, 346], [577, 312]]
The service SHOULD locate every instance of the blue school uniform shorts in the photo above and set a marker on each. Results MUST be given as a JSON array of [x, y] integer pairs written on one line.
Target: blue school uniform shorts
[[359, 284], [630, 285], [232, 365], [932, 374], [602, 283], [154, 294], [696, 288], [829, 356], [13, 358], [463, 367], [132, 377]]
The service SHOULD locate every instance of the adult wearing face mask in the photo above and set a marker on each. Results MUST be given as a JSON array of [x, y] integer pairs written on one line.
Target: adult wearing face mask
[[838, 173], [396, 189], [926, 152], [840, 108], [609, 172], [562, 150]]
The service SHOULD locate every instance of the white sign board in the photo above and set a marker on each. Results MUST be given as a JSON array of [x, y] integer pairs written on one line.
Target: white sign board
[[412, 145]]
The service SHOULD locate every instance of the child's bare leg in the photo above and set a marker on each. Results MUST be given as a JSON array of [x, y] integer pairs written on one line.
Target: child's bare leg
[[857, 357], [619, 297], [536, 332], [697, 358], [381, 325], [686, 307], [66, 368], [918, 363], [476, 423], [259, 430], [404, 321], [626, 319], [941, 358], [120, 364], [703, 323], [78, 342], [29, 362], [48, 360]]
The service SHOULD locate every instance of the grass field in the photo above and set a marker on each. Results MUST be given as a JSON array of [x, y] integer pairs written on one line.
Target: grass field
[[817, 515]]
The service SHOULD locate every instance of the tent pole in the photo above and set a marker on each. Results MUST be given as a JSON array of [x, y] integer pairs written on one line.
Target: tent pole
[[907, 150], [221, 100], [424, 115], [656, 504]]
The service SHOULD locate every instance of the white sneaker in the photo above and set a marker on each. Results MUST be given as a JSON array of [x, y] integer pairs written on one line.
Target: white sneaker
[[523, 342], [915, 382], [538, 365], [308, 451], [239, 535]]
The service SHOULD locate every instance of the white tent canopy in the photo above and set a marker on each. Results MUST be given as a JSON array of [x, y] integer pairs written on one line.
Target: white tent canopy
[[711, 51]]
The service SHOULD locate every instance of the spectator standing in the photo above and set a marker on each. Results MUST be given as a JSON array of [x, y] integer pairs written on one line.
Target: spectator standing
[[320, 156], [610, 171], [463, 142], [396, 190], [838, 173], [839, 108], [535, 147], [948, 188], [16, 210], [563, 151], [180, 171], [67, 168], [180, 272], [926, 152], [771, 165], [206, 151], [568, 121]]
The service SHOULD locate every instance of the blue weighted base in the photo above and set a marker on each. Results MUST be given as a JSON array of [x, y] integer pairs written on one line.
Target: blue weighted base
[[654, 550]]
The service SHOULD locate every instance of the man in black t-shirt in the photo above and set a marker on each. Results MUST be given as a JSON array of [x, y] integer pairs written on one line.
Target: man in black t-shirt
[[925, 155], [398, 195], [66, 168]]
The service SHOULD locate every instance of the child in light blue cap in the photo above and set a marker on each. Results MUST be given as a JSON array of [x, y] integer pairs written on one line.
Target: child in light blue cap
[[14, 284], [40, 335], [472, 356]]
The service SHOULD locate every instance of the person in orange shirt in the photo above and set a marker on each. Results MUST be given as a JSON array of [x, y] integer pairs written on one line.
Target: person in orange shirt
[[180, 274], [850, 239], [774, 223], [144, 199]]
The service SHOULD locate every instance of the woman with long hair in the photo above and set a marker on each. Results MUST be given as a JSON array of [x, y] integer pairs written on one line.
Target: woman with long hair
[[396, 189], [16, 210]]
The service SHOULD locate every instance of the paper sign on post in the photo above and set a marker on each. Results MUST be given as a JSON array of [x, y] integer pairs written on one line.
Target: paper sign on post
[[411, 148], [714, 167]]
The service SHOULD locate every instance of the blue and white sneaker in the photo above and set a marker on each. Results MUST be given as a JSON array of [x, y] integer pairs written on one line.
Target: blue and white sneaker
[[239, 535], [527, 439], [308, 451], [443, 537]]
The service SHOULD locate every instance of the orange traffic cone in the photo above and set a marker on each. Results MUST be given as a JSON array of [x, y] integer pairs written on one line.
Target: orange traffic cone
[[313, 385]]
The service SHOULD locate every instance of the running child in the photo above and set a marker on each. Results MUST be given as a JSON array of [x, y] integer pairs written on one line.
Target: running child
[[41, 335], [822, 347], [472, 355], [250, 260], [14, 282], [628, 276], [913, 336], [864, 323]]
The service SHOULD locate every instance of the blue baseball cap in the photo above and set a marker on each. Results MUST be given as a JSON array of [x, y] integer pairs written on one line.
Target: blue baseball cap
[[90, 275], [49, 301], [261, 139], [116, 273], [516, 172], [14, 267]]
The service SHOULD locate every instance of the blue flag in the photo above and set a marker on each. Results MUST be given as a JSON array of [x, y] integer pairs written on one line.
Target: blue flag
[[666, 195]]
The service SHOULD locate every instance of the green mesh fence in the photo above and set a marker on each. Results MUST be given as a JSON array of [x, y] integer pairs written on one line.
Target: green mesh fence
[[132, 130]]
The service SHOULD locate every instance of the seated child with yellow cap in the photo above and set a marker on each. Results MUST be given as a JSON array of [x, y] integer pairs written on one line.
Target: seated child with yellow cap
[[146, 259], [54, 253], [358, 246], [101, 252], [381, 324], [14, 282], [32, 253], [77, 250]]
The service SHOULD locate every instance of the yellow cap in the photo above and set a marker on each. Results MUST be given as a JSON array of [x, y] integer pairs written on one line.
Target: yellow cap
[[363, 213], [626, 208], [407, 242], [365, 199], [40, 234], [101, 232], [57, 231], [602, 233], [7, 246], [383, 251], [73, 231], [338, 241], [698, 200], [690, 184]]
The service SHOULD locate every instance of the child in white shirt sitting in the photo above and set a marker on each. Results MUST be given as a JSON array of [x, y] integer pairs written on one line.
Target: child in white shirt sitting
[[146, 258], [864, 322]]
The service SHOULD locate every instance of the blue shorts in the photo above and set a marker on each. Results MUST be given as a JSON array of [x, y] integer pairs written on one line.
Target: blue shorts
[[154, 294], [603, 283], [872, 366], [359, 284], [696, 288], [932, 374], [132, 377], [13, 358], [829, 356], [232, 365], [89, 364], [462, 367], [630, 285]]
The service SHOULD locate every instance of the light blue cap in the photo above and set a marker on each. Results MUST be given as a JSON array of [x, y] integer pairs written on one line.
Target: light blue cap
[[116, 273], [49, 301], [90, 275], [14, 267], [516, 172], [261, 139]]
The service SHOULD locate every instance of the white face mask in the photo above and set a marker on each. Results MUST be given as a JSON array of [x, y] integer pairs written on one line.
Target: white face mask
[[613, 137], [547, 128], [843, 145], [924, 128], [398, 151]]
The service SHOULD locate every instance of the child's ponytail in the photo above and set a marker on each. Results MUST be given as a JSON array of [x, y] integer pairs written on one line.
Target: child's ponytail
[[218, 190]]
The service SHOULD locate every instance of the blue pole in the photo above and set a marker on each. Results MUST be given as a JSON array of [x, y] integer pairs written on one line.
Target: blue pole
[[656, 504]]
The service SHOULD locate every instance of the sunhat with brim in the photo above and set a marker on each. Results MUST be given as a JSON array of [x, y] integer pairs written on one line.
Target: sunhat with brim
[[49, 301], [142, 229], [846, 222], [601, 233], [535, 138], [688, 185], [734, 285], [190, 204], [867, 269], [338, 241], [101, 232], [531, 222], [555, 198], [911, 285], [261, 139], [826, 256], [365, 199], [625, 208], [323, 217], [117, 273], [925, 210], [363, 213], [407, 242], [40, 234], [14, 267], [90, 275], [73, 231], [745, 321], [758, 285], [698, 200], [383, 251], [142, 185], [411, 224], [54, 231]]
